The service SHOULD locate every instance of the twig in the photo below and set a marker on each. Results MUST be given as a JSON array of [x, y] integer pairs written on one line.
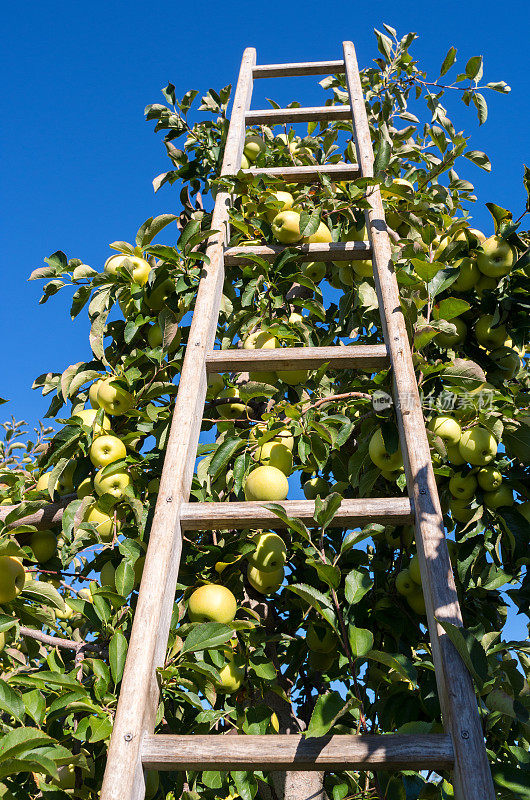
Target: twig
[[333, 397], [56, 641]]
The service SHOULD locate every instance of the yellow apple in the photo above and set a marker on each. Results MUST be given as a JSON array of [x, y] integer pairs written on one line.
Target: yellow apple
[[321, 235], [103, 522], [495, 257], [285, 198], [155, 338], [460, 510], [478, 446], [93, 393], [260, 340], [468, 276], [489, 478], [507, 363], [231, 676], [447, 428], [416, 601], [215, 386], [379, 455], [212, 603], [293, 377], [503, 496], [270, 554], [264, 582], [286, 227], [44, 545], [115, 400], [114, 482], [452, 339], [485, 284], [158, 296], [453, 455], [231, 410], [314, 270], [274, 454], [266, 483], [106, 449], [488, 336], [399, 183], [254, 145], [88, 415], [85, 488], [463, 487], [12, 578], [404, 583], [139, 266]]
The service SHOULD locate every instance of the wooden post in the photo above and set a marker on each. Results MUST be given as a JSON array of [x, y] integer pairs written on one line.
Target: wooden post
[[472, 775], [138, 699]]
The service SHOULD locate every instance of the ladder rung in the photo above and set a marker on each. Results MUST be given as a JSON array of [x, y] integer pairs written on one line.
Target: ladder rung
[[324, 251], [272, 116], [302, 68], [352, 513], [338, 172], [286, 751], [352, 356]]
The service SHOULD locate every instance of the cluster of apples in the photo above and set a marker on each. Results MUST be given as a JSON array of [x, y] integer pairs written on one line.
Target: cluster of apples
[[255, 145], [408, 584], [322, 644]]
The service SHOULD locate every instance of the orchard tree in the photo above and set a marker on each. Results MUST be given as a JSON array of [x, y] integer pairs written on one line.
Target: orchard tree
[[312, 628]]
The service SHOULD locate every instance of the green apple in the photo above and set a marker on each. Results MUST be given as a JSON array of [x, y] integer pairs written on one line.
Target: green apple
[[401, 184], [321, 235], [474, 237], [452, 339], [453, 455], [103, 522], [398, 537], [495, 257], [88, 416], [264, 582], [321, 662], [285, 437], [286, 227], [85, 488], [489, 478], [44, 545], [503, 496], [93, 393], [231, 676], [293, 377], [463, 486], [230, 410], [245, 163], [478, 446], [155, 338], [270, 554], [106, 449], [114, 482], [320, 638], [215, 386], [416, 601], [357, 234], [42, 483], [12, 578], [113, 399], [314, 270], [363, 267], [468, 276], [490, 337], [254, 145], [485, 284], [460, 510], [346, 273], [285, 198], [316, 486], [261, 340], [266, 483], [65, 777], [295, 318], [212, 603], [380, 456], [414, 570], [404, 583], [507, 361], [107, 575], [66, 614], [157, 297], [446, 428], [139, 266], [274, 454]]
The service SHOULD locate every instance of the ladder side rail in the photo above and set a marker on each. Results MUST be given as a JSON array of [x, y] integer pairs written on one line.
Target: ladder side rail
[[138, 699], [472, 775]]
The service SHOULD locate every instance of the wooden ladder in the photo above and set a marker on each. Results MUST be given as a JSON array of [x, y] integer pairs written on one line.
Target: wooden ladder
[[133, 746]]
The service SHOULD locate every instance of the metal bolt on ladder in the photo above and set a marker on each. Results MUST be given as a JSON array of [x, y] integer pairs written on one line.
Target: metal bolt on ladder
[[133, 745]]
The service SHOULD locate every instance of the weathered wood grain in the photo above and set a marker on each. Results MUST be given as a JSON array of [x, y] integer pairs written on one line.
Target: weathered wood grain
[[351, 356], [274, 116], [322, 251], [336, 172], [302, 68], [284, 751], [352, 513], [457, 698]]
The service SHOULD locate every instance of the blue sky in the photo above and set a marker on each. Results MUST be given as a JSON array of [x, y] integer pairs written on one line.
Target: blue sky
[[79, 157]]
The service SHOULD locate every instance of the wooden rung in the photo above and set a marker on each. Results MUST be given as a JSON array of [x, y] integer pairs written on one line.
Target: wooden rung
[[324, 251], [352, 513], [303, 68], [337, 172], [273, 116], [353, 356], [293, 751]]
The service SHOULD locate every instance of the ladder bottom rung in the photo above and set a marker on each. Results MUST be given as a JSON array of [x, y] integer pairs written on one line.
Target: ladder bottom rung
[[351, 513], [287, 358], [284, 751]]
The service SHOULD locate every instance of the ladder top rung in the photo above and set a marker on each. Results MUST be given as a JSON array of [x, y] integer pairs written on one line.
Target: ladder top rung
[[352, 513], [338, 172], [301, 68], [322, 251], [309, 114], [284, 751], [352, 356]]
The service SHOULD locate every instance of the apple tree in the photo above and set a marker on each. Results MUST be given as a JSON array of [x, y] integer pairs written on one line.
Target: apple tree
[[309, 628]]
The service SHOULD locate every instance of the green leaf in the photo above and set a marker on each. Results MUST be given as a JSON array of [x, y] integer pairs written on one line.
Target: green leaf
[[474, 68], [361, 641], [517, 441], [357, 584], [382, 157], [151, 228], [325, 509], [43, 592], [328, 573], [124, 578], [401, 664], [206, 635], [21, 741], [309, 222], [292, 523], [499, 214], [11, 701], [316, 600], [465, 374], [245, 784], [482, 107], [35, 705], [450, 307], [223, 455], [328, 709], [470, 650], [448, 61], [479, 158], [117, 654]]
